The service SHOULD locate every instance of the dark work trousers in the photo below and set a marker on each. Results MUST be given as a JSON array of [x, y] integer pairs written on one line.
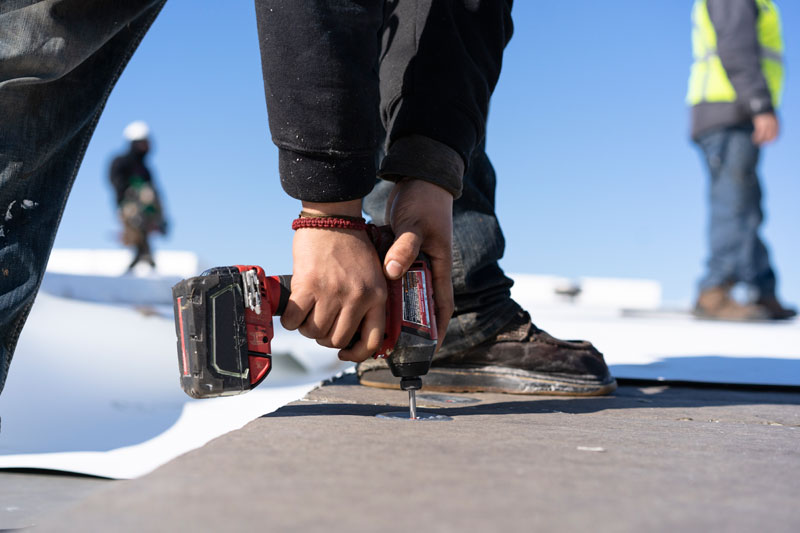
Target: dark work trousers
[[57, 68]]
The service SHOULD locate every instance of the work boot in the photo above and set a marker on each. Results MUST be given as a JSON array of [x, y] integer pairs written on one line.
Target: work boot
[[775, 309], [520, 359], [716, 303]]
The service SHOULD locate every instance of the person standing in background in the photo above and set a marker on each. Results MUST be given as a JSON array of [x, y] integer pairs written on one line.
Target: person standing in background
[[138, 203], [734, 90]]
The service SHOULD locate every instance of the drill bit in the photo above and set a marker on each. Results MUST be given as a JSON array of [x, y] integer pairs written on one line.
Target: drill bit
[[412, 404]]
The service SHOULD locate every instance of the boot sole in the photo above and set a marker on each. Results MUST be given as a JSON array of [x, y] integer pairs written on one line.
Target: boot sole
[[700, 315], [495, 379]]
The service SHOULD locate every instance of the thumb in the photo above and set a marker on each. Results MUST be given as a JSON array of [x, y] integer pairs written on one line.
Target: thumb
[[402, 253]]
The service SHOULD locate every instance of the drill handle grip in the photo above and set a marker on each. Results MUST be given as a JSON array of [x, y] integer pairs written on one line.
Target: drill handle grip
[[279, 289]]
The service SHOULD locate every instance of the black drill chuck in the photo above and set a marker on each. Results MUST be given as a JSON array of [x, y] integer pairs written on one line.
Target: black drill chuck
[[411, 383], [411, 363]]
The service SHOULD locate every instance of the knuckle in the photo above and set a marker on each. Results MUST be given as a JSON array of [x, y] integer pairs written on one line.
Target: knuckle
[[357, 353], [360, 358], [338, 340], [360, 290], [363, 293], [309, 331], [289, 322], [352, 356], [372, 345], [316, 284], [325, 343], [341, 291], [380, 293], [345, 356]]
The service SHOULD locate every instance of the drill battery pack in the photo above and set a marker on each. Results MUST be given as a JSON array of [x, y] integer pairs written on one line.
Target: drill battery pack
[[223, 325]]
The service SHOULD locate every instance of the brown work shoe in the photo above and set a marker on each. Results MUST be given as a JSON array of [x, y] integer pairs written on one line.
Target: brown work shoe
[[521, 359], [716, 304], [775, 309]]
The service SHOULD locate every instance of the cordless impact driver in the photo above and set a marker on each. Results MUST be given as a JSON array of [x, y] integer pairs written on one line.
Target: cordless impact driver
[[223, 323]]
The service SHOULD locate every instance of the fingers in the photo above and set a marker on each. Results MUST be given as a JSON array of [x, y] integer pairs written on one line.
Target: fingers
[[758, 129], [370, 339], [401, 254], [320, 320], [761, 134], [334, 323], [770, 133], [766, 135], [346, 326], [297, 308], [765, 128]]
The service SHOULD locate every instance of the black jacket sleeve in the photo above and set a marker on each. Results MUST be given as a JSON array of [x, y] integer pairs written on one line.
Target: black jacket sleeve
[[320, 61], [329, 66], [738, 48], [439, 69]]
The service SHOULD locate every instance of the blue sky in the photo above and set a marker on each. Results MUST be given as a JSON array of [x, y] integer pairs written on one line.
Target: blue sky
[[588, 133]]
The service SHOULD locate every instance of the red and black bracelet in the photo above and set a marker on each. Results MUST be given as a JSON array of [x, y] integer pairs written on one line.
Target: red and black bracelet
[[310, 220]]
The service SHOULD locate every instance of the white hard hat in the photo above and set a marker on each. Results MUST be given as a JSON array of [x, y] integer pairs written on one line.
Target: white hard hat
[[136, 131]]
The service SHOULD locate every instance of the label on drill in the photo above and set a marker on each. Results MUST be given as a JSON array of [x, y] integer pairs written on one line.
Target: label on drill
[[415, 301]]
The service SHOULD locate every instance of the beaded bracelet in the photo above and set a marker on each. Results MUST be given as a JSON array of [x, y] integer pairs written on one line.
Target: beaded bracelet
[[309, 220]]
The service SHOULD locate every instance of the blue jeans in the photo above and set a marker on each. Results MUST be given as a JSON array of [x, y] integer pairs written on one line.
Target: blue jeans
[[59, 60], [55, 78], [737, 253]]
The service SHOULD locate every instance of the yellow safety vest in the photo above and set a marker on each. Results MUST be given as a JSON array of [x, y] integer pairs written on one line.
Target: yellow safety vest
[[708, 81]]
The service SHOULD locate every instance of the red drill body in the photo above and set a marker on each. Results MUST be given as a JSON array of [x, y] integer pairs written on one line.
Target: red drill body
[[223, 321]]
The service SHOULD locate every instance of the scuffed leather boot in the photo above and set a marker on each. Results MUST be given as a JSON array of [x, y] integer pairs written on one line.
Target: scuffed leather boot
[[716, 304], [775, 309], [520, 359]]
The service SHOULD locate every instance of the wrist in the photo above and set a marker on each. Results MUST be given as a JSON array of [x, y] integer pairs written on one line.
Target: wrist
[[760, 106], [350, 208]]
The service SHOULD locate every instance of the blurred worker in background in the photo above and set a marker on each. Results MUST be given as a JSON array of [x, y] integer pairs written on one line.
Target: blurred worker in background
[[734, 90], [137, 200]]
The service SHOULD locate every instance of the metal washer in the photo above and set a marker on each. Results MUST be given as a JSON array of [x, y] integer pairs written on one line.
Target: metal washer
[[421, 417]]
